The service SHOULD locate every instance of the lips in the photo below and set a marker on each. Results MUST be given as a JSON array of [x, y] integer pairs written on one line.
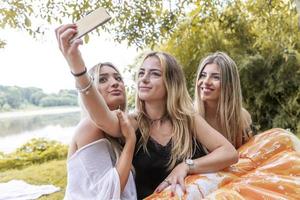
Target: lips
[[115, 92], [207, 89], [143, 88]]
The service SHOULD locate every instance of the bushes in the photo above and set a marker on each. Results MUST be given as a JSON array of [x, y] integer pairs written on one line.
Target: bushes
[[35, 151]]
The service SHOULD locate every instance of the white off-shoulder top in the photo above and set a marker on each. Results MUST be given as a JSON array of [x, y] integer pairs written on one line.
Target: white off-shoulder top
[[92, 175]]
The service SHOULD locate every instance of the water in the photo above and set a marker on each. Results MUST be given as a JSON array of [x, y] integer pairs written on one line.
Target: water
[[55, 125]]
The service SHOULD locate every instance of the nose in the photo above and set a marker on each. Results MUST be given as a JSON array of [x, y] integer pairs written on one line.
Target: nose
[[114, 83], [206, 80], [145, 78]]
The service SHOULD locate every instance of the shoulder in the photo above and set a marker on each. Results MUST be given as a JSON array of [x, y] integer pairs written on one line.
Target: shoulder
[[246, 115], [87, 132]]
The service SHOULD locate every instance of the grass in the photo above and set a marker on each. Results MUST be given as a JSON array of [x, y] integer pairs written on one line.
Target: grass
[[52, 172]]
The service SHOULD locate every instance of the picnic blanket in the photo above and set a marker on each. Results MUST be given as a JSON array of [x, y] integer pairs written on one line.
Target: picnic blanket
[[268, 168], [20, 190]]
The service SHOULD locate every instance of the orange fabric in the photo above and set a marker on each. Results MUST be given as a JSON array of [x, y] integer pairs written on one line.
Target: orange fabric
[[268, 168]]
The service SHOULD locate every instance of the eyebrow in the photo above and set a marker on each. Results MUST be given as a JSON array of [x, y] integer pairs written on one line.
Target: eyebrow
[[107, 74], [151, 70], [215, 73]]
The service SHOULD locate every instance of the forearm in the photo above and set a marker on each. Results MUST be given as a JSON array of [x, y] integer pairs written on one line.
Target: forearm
[[123, 165], [219, 159], [97, 108]]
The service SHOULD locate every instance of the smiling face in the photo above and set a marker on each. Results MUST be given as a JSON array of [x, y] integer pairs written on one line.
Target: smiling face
[[151, 85], [111, 86], [209, 83]]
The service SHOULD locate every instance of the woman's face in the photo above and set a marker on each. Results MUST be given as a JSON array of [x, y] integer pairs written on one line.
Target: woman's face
[[111, 86], [209, 83], [151, 86]]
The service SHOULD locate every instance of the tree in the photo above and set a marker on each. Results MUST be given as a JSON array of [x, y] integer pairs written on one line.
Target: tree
[[139, 23], [263, 39]]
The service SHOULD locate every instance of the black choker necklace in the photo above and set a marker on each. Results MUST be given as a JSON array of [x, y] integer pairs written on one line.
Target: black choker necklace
[[162, 119]]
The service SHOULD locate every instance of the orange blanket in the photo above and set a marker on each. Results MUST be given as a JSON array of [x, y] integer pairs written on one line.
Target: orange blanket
[[268, 168]]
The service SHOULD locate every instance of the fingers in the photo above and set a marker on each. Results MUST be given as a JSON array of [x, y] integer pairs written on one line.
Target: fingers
[[64, 39], [182, 184], [63, 34], [74, 45], [162, 186], [173, 187]]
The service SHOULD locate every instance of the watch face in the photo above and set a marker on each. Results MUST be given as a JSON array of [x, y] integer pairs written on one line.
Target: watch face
[[189, 162]]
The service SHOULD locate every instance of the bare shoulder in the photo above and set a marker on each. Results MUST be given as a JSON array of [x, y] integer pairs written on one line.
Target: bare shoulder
[[87, 132], [247, 116]]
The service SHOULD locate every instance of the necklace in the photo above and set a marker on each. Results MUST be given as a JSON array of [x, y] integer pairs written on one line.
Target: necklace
[[161, 119]]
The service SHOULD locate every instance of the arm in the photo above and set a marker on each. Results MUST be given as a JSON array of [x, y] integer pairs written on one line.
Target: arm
[[222, 154], [123, 165], [95, 104]]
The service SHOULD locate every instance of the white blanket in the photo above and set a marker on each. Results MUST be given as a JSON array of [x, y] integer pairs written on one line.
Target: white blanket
[[20, 190]]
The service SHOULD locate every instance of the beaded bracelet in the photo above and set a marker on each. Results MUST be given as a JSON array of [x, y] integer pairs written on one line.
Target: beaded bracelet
[[85, 90], [79, 74]]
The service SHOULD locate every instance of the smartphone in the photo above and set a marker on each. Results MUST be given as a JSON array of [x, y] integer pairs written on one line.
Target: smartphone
[[90, 22]]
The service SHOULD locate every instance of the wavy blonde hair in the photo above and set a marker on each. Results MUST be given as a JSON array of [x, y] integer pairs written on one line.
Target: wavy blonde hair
[[179, 110], [230, 114]]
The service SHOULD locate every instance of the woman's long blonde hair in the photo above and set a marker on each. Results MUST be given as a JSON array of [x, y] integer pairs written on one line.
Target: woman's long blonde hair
[[230, 112], [179, 110]]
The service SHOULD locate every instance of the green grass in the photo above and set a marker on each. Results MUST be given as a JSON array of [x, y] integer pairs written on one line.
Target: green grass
[[52, 172]]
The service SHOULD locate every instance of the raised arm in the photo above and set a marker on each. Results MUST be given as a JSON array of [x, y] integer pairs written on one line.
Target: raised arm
[[93, 101]]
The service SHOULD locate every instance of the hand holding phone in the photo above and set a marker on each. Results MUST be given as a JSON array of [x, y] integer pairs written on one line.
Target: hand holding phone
[[90, 22]]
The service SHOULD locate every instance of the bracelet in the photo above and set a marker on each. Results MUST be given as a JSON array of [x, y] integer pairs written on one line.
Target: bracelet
[[85, 90], [79, 74]]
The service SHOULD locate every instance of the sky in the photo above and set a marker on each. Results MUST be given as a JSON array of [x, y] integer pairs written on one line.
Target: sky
[[29, 62]]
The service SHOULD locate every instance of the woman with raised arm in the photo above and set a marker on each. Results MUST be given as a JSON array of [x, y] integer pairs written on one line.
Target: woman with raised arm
[[98, 167], [170, 135], [218, 98]]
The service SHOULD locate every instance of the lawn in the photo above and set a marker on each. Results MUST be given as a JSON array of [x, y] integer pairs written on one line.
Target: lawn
[[52, 172]]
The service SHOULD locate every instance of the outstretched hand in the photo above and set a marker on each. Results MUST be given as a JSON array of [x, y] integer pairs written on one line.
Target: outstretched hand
[[70, 50], [177, 176]]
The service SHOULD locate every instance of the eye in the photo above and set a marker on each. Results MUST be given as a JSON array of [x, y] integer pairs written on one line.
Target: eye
[[202, 75], [216, 78], [119, 78], [141, 73], [157, 74], [102, 79]]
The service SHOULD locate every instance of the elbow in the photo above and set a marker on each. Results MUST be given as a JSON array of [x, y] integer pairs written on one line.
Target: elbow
[[234, 155]]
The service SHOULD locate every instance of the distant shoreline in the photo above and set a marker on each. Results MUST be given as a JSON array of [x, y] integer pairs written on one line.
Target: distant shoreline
[[43, 111]]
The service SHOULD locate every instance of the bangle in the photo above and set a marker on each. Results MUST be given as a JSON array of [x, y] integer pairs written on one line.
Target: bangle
[[79, 74], [85, 90]]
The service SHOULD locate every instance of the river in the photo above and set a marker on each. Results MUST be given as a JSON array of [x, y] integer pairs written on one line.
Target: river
[[16, 128]]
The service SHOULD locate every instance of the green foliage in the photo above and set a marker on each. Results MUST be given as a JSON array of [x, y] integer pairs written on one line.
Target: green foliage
[[263, 39], [34, 151], [139, 23], [13, 97]]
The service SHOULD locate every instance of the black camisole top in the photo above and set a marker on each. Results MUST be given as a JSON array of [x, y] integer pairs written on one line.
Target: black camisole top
[[151, 169]]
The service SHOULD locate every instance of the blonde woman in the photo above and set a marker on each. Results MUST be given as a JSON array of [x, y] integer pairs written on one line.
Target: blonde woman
[[218, 98], [170, 136], [96, 166]]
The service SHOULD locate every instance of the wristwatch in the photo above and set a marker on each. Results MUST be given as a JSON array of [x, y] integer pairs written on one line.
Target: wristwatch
[[190, 163]]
